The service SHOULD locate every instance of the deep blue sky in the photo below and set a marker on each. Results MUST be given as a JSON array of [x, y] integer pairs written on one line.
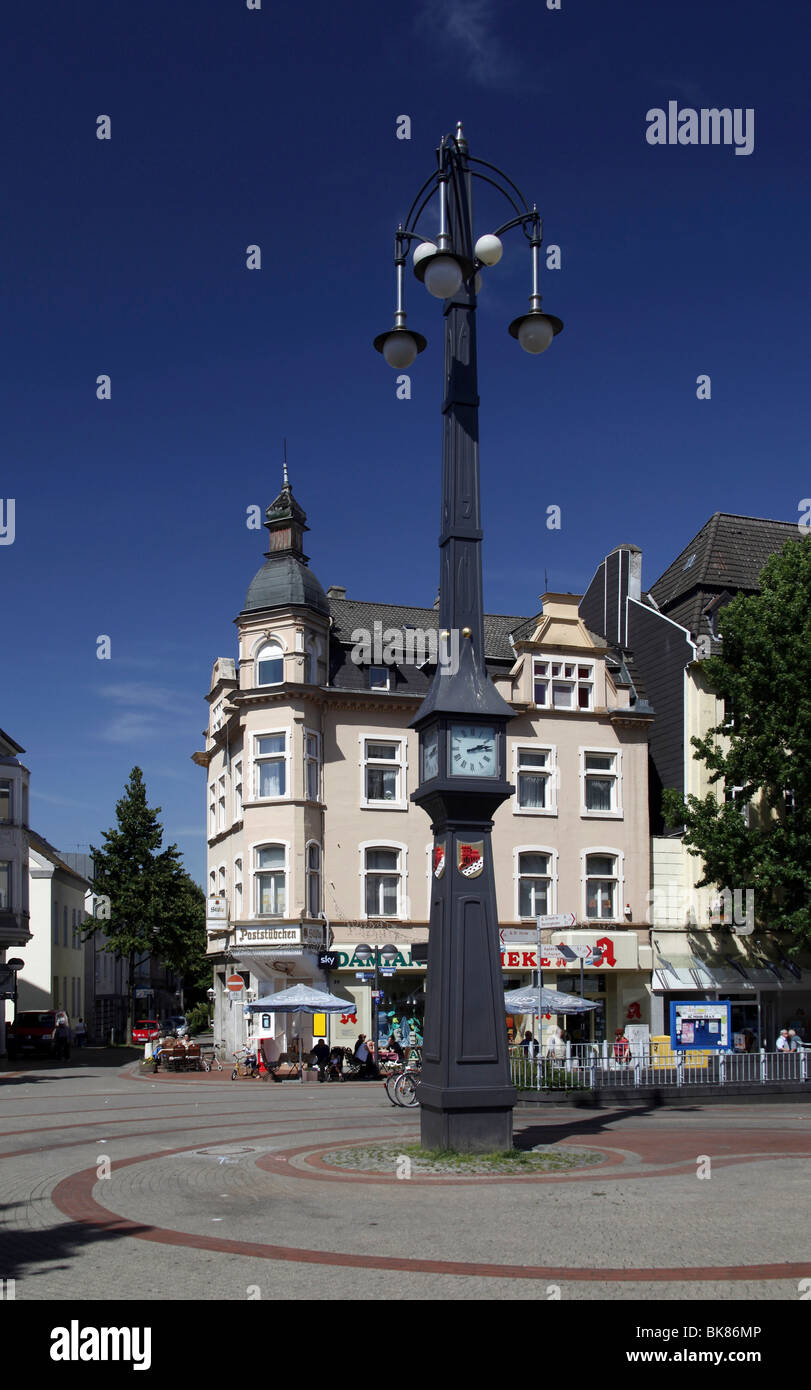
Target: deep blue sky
[[277, 127]]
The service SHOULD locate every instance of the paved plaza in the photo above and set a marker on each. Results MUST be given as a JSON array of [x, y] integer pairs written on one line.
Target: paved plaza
[[115, 1185]]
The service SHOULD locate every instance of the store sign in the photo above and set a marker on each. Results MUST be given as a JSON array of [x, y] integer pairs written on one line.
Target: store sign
[[350, 960], [602, 952], [268, 936]]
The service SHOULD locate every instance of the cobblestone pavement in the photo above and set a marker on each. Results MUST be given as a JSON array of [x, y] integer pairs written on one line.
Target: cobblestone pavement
[[114, 1185]]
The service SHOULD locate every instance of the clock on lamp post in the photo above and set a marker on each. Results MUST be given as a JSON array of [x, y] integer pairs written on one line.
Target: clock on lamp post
[[465, 1094]]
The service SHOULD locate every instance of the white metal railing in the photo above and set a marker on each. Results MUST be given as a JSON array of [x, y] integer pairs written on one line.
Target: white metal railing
[[597, 1066]]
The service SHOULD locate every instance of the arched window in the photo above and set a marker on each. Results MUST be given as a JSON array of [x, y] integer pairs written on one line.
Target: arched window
[[382, 872], [270, 877], [313, 880], [270, 664]]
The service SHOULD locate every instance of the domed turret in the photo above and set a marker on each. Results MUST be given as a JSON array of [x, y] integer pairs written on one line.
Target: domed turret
[[285, 579]]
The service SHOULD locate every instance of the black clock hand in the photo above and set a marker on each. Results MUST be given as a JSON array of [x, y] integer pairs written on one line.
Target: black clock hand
[[477, 747]]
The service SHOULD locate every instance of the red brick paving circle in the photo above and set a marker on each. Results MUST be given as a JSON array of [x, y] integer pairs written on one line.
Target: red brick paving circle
[[73, 1196]]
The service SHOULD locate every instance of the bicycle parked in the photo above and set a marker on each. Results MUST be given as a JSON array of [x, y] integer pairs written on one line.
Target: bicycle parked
[[401, 1086]]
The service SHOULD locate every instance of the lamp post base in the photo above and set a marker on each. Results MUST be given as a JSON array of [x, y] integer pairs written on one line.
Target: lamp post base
[[467, 1131], [467, 1123]]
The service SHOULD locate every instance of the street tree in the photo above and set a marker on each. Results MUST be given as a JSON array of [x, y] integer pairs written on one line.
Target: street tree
[[758, 834], [155, 908]]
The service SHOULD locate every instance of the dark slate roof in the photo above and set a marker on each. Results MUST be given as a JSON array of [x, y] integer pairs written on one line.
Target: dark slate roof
[[284, 580], [729, 552], [348, 614]]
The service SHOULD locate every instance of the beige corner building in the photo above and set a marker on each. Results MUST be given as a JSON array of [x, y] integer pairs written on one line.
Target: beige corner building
[[314, 843]]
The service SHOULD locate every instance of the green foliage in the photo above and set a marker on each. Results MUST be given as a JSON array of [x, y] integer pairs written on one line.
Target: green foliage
[[763, 746], [198, 1019], [155, 908]]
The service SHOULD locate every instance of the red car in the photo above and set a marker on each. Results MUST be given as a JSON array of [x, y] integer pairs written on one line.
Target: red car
[[45, 1033], [146, 1030]]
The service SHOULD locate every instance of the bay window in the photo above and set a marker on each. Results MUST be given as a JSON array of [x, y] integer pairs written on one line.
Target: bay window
[[270, 758], [563, 684], [270, 876]]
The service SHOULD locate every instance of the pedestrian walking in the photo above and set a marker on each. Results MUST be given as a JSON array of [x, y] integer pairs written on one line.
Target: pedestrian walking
[[80, 1033], [321, 1055]]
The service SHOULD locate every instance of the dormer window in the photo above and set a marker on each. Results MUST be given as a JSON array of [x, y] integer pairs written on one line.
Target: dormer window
[[563, 684], [270, 664], [379, 678]]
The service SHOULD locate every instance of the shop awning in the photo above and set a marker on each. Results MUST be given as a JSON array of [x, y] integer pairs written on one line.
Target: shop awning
[[738, 964]]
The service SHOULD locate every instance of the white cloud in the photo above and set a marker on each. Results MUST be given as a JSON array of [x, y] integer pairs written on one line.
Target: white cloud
[[469, 29]]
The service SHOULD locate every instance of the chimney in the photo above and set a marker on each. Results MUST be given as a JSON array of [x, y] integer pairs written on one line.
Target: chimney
[[336, 591]]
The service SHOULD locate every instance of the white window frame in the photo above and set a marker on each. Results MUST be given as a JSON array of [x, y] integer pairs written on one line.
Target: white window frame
[[212, 810], [387, 671], [744, 807], [619, 879], [574, 681], [309, 758], [237, 790], [517, 876], [268, 639], [402, 890], [221, 802], [400, 763], [222, 880], [256, 871], [271, 757], [216, 715], [238, 888], [551, 770], [616, 812], [8, 892], [8, 784], [310, 874]]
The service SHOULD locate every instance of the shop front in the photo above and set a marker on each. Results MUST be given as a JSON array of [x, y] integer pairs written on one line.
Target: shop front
[[767, 989], [400, 984], [267, 959], [611, 969]]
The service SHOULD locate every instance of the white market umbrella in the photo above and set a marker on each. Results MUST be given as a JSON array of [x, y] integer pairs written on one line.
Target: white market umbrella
[[525, 1001], [302, 999]]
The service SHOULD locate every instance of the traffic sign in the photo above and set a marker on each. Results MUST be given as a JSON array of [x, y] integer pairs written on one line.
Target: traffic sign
[[559, 919], [580, 951], [518, 936], [235, 984]]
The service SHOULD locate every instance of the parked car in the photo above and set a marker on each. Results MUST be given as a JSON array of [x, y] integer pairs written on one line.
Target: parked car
[[175, 1025], [46, 1033], [146, 1030]]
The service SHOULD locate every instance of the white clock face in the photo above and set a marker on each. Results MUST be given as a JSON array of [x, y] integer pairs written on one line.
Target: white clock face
[[430, 756], [472, 751]]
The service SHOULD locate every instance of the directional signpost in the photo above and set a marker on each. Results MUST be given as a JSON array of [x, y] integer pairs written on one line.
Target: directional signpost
[[560, 919]]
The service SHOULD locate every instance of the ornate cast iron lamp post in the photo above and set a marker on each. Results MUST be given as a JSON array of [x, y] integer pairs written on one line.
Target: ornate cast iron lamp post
[[466, 1095]]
